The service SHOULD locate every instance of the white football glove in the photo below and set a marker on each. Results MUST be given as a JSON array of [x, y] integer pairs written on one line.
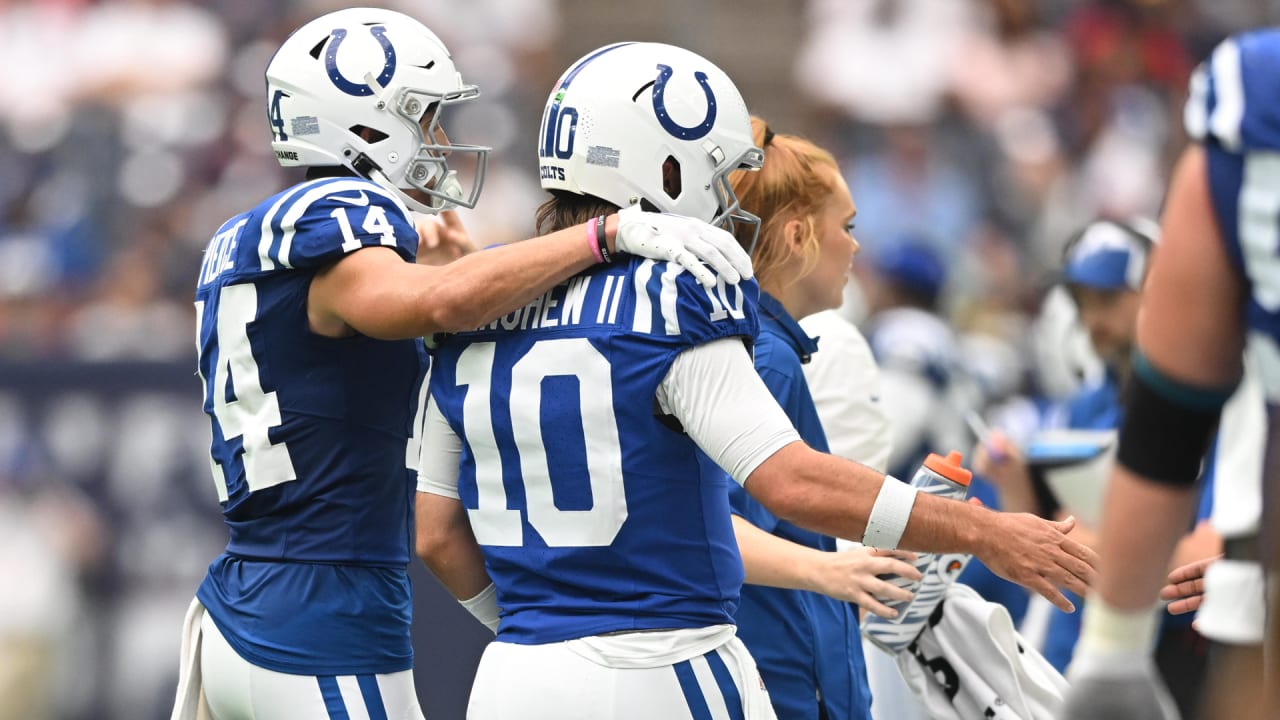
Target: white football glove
[[1113, 676], [1120, 686], [683, 240]]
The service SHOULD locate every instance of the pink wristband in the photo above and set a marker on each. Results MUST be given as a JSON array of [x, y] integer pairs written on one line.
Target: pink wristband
[[592, 242]]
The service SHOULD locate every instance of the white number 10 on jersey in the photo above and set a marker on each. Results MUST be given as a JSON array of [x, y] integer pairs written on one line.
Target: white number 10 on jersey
[[492, 522]]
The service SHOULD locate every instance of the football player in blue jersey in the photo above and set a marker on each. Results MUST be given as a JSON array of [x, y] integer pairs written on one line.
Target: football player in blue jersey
[[1213, 289], [561, 496], [310, 308]]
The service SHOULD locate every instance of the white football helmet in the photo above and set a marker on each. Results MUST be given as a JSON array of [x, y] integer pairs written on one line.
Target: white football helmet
[[621, 112], [367, 68]]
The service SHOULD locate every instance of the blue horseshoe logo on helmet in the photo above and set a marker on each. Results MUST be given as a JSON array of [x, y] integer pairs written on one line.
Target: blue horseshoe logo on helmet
[[359, 89], [659, 106]]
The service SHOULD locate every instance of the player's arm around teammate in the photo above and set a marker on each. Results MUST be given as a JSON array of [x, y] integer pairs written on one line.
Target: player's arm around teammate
[[380, 295], [813, 489]]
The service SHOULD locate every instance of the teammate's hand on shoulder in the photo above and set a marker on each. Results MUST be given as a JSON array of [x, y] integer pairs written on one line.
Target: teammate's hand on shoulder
[[1185, 590], [1037, 554], [683, 240], [442, 238]]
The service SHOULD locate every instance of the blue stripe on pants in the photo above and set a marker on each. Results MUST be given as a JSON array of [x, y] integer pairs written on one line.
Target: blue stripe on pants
[[728, 688], [332, 697], [372, 697], [692, 693]]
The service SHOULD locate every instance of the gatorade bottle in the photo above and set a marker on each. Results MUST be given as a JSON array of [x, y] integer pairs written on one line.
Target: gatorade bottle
[[946, 478]]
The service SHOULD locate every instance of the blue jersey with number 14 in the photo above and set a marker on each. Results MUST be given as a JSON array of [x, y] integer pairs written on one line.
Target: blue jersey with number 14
[[1234, 109], [311, 439], [587, 504]]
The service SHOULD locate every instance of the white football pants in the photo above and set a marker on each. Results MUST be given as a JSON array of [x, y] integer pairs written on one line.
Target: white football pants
[[553, 682], [236, 689]]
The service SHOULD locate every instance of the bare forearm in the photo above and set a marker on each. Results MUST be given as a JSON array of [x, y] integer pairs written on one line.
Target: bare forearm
[[1141, 525], [460, 568], [446, 544], [772, 561], [835, 496], [377, 294], [480, 287], [817, 491]]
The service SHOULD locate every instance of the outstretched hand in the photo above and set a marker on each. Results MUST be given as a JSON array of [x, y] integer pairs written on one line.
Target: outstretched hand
[[686, 241], [1185, 591], [1037, 554]]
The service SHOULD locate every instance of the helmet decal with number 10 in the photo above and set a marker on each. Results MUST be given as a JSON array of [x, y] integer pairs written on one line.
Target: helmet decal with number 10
[[649, 123]]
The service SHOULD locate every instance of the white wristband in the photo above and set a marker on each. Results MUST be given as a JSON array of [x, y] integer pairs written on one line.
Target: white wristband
[[484, 606], [889, 515]]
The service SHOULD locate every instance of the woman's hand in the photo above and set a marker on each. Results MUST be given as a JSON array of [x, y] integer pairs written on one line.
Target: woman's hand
[[852, 575]]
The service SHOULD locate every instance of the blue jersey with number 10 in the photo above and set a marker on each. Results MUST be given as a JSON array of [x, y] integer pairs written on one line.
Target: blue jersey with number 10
[[1234, 109], [588, 506], [311, 439]]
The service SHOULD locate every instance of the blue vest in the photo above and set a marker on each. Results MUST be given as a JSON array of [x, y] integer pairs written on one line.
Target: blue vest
[[807, 645]]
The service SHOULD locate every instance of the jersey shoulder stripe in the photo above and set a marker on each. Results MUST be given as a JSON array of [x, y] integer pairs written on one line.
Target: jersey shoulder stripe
[[637, 297], [313, 222], [668, 302], [1232, 95]]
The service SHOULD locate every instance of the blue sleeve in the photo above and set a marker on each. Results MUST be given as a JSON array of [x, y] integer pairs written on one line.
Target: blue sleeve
[[1230, 101], [325, 221]]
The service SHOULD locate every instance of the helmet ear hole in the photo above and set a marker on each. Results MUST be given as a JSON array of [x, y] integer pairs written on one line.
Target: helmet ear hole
[[368, 134], [671, 183], [315, 51]]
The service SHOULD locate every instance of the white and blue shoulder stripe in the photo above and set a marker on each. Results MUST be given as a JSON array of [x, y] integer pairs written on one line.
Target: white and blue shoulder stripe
[[1234, 96], [280, 222]]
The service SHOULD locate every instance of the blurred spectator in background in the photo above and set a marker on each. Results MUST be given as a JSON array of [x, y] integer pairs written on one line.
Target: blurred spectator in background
[[128, 317], [910, 190], [882, 62], [917, 352], [1104, 267]]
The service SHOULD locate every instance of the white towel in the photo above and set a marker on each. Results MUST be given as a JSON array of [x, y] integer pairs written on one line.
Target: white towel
[[971, 664], [189, 703]]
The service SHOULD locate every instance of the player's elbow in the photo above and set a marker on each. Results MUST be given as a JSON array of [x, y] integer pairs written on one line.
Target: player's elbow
[[779, 482], [450, 308], [432, 540], [411, 304]]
